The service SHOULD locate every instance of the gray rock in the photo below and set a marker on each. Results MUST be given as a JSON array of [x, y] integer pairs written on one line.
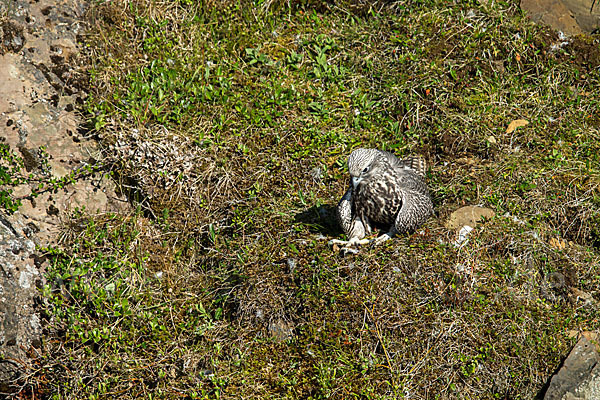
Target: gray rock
[[553, 13], [20, 327], [579, 377], [587, 15]]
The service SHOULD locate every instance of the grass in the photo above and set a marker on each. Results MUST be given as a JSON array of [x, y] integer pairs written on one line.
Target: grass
[[228, 124]]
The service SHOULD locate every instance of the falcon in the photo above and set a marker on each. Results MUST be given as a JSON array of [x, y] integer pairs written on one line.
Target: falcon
[[384, 191]]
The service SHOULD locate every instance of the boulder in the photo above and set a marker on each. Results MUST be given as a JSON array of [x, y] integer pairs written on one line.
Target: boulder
[[579, 376], [572, 17]]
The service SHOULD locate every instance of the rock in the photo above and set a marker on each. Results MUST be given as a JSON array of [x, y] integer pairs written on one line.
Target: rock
[[553, 13], [593, 337], [64, 48], [579, 377], [468, 216], [20, 327], [39, 86], [572, 17], [586, 13]]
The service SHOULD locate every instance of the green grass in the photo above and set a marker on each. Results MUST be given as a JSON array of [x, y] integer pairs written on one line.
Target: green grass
[[228, 126]]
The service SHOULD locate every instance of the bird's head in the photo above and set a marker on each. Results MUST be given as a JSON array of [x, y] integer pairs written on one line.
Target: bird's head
[[360, 164]]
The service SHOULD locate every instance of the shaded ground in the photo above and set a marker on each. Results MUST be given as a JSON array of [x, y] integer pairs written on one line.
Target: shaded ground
[[229, 125]]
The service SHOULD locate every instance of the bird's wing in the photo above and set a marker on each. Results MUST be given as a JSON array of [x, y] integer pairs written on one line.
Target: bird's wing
[[352, 226], [416, 163], [344, 210], [416, 204]]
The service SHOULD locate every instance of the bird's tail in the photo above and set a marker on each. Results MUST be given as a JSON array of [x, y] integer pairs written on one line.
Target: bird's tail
[[417, 163]]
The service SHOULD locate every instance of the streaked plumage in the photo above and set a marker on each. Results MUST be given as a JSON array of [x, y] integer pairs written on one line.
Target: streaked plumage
[[383, 191]]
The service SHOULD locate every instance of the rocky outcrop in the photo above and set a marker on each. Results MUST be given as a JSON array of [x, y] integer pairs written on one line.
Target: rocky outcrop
[[20, 327], [40, 92], [572, 17], [579, 377]]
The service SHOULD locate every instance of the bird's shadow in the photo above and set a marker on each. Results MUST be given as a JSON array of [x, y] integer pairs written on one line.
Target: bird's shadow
[[320, 219]]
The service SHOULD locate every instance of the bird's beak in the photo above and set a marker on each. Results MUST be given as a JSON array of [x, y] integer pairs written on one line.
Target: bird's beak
[[355, 181]]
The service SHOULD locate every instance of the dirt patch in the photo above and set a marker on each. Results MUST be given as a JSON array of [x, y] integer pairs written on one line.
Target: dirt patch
[[584, 53]]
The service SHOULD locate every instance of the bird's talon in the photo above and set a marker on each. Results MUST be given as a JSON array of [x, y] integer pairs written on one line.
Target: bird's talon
[[354, 242], [338, 242], [348, 250], [379, 240]]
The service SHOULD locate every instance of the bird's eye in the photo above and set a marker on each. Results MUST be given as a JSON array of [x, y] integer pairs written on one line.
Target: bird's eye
[[365, 170]]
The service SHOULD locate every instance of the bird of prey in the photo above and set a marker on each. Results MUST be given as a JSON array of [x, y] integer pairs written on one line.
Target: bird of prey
[[385, 192]]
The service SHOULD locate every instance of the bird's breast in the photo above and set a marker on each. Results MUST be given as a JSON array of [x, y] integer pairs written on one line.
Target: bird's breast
[[379, 199]]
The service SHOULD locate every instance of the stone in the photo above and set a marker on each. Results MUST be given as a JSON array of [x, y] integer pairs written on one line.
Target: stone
[[553, 13], [572, 17], [593, 337], [586, 13], [38, 88], [579, 376], [468, 216], [19, 281]]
